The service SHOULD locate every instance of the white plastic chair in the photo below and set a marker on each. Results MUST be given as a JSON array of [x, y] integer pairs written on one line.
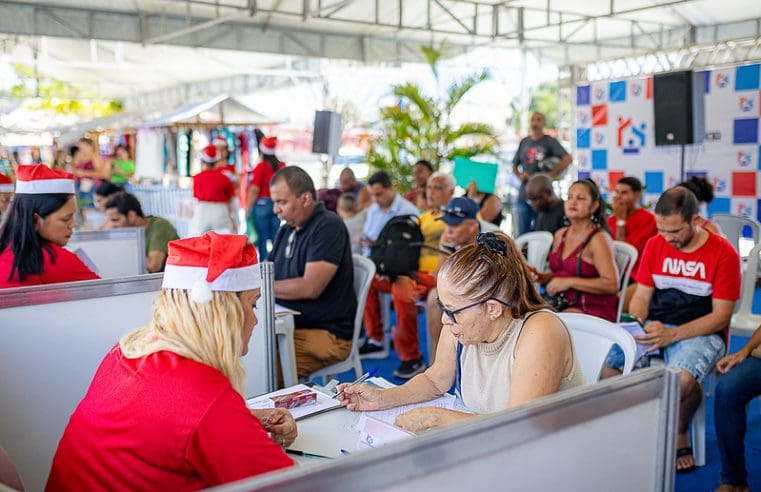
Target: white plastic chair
[[593, 338], [733, 225], [743, 322], [626, 256], [538, 246], [364, 271]]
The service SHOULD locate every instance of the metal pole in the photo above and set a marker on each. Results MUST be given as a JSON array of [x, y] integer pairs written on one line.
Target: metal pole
[[268, 323]]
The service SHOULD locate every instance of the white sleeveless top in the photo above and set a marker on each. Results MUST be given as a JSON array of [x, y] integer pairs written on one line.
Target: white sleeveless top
[[486, 370]]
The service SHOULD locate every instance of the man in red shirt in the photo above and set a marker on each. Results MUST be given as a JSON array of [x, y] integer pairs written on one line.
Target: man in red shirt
[[688, 282], [631, 223]]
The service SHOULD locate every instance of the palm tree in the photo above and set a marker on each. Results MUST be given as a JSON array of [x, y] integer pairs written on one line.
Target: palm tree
[[419, 127]]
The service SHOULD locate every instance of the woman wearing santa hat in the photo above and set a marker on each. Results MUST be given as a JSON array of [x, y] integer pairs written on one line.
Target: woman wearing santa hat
[[165, 409], [38, 225], [213, 192], [259, 201]]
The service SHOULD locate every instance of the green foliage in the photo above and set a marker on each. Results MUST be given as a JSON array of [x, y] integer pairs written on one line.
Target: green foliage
[[418, 127], [49, 94]]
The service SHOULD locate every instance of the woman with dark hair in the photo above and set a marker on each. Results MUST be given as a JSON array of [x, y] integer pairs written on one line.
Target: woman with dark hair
[[583, 276], [39, 224], [501, 347], [122, 165], [102, 192], [703, 191], [259, 201]]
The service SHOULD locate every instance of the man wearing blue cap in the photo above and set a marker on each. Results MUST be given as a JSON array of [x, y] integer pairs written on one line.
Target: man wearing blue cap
[[460, 228]]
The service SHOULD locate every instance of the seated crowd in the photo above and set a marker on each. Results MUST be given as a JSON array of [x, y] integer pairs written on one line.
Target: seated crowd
[[494, 337]]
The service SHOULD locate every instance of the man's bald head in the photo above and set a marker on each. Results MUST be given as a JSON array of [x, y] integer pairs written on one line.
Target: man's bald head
[[539, 192]]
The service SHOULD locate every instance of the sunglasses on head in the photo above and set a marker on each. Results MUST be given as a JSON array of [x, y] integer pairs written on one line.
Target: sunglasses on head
[[452, 312]]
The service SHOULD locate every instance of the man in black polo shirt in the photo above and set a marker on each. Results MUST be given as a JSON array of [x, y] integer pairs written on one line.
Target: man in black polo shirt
[[314, 273]]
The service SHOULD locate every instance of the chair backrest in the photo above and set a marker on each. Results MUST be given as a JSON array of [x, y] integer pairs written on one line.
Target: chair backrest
[[9, 476], [732, 227], [538, 244], [593, 338], [626, 256], [749, 282], [364, 271]]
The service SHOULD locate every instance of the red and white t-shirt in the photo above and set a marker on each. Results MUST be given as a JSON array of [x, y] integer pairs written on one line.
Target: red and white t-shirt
[[640, 227], [160, 422], [211, 185], [60, 266], [686, 283]]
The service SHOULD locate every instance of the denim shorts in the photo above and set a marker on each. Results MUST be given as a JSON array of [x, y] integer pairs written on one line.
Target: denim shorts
[[697, 355]]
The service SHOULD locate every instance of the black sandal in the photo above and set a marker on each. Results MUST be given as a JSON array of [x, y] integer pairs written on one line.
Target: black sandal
[[686, 451]]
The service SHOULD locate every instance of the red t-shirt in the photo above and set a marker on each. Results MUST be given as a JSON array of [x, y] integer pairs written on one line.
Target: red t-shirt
[[640, 226], [262, 176], [211, 185], [160, 422], [686, 283], [66, 267]]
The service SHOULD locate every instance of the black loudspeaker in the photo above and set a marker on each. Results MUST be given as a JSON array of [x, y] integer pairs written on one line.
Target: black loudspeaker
[[327, 133], [679, 114]]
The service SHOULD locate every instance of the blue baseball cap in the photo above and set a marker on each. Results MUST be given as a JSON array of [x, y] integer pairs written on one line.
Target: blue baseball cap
[[459, 209]]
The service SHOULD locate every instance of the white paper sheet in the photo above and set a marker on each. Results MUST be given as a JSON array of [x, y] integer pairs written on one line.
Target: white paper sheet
[[324, 402], [389, 416]]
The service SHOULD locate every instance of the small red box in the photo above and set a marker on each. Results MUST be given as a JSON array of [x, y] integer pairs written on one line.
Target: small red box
[[296, 399]]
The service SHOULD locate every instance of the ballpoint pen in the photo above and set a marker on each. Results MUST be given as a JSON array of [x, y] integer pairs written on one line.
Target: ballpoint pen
[[359, 380], [298, 452]]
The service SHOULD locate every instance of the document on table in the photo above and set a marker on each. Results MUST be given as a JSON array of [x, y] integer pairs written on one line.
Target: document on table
[[86, 260], [323, 404], [636, 329], [389, 416]]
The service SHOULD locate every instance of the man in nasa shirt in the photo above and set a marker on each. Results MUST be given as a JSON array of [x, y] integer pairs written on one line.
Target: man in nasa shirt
[[688, 281]]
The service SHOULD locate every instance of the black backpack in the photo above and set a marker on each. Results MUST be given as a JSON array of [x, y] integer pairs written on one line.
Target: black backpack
[[397, 249]]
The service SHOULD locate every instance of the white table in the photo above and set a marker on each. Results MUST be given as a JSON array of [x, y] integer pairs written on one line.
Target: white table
[[327, 434]]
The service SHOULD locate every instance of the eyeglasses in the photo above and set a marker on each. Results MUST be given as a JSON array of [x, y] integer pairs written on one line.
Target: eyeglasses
[[289, 244], [451, 313]]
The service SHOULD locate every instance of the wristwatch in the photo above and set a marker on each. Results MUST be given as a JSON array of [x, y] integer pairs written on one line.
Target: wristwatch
[[620, 222]]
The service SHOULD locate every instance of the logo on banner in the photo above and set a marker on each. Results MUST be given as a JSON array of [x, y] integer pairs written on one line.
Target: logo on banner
[[744, 209], [636, 89], [583, 161], [746, 104], [722, 80], [744, 159], [631, 138], [583, 118], [599, 138], [671, 182], [719, 185], [599, 94]]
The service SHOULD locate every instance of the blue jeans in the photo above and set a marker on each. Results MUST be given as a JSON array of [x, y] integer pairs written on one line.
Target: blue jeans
[[526, 216], [733, 393], [266, 223]]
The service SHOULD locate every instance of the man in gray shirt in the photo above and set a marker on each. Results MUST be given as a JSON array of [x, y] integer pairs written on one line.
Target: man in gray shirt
[[535, 154], [550, 211]]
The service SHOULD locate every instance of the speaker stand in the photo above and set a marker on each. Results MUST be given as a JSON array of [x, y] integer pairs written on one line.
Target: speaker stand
[[681, 163]]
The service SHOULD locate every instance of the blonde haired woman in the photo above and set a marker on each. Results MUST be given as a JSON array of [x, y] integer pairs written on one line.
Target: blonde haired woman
[[164, 409]]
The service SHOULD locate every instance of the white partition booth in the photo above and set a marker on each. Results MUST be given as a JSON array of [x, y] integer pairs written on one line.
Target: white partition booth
[[115, 253], [615, 435], [52, 339]]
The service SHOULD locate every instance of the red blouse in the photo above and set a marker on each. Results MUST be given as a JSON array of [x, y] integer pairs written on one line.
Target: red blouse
[[61, 266], [160, 422]]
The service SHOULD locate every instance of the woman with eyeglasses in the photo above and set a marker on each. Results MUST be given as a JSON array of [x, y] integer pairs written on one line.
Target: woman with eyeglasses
[[501, 347]]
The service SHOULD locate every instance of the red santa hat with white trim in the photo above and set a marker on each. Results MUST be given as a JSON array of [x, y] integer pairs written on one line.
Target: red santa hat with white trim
[[210, 154], [6, 184], [209, 263], [267, 145], [40, 179]]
